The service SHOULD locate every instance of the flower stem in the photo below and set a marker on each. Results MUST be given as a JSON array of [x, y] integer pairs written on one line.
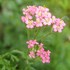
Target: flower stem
[[46, 35], [28, 34], [43, 37]]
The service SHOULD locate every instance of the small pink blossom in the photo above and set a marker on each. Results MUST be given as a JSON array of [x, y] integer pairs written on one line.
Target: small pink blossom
[[32, 54], [31, 43], [30, 24], [58, 25], [44, 55], [53, 19]]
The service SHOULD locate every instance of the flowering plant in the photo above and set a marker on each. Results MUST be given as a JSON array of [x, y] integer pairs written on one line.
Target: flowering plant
[[38, 18]]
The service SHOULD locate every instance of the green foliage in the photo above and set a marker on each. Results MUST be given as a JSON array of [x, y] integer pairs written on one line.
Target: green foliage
[[13, 36]]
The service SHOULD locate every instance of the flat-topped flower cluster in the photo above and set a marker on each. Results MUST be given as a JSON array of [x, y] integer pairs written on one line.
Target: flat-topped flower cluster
[[38, 16], [37, 50]]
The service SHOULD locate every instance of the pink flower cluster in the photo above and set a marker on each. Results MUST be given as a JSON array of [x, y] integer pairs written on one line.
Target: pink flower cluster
[[58, 24], [31, 43], [40, 16], [37, 50]]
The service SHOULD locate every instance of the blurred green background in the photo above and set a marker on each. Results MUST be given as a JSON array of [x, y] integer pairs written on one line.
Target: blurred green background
[[13, 34]]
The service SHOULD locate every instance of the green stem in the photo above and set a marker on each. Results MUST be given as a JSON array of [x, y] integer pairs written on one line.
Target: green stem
[[28, 34], [46, 35], [36, 32]]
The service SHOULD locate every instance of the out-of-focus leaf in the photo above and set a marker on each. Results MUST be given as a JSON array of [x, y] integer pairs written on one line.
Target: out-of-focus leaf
[[64, 4], [14, 58], [3, 68]]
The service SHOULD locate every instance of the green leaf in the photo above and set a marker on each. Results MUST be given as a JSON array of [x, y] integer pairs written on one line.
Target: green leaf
[[13, 58], [3, 68]]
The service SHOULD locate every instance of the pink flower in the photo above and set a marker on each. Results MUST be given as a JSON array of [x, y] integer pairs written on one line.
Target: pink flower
[[58, 25], [23, 19], [44, 55], [38, 23], [48, 52], [47, 21], [32, 54], [31, 43], [53, 19], [41, 45], [30, 24], [31, 9]]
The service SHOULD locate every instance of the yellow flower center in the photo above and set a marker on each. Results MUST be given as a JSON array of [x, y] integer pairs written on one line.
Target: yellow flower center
[[39, 14], [30, 22]]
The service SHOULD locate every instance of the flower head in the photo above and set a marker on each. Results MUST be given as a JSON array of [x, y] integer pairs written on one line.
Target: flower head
[[58, 25], [31, 43], [32, 54], [38, 16], [37, 50]]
